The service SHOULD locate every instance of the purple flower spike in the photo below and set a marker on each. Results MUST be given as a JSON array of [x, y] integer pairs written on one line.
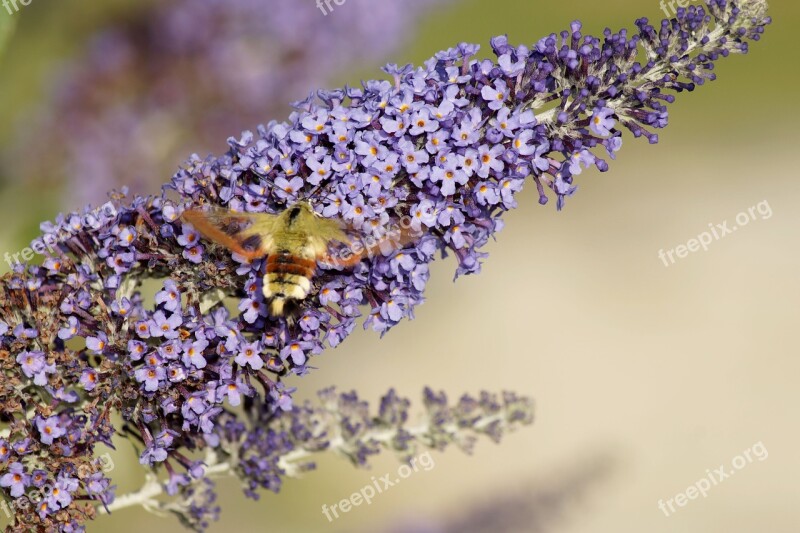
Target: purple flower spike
[[421, 165]]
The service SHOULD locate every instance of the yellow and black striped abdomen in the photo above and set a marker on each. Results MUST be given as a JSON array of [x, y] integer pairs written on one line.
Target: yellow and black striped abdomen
[[288, 277]]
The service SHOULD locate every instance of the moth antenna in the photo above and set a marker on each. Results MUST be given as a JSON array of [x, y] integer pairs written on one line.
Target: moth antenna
[[310, 195]]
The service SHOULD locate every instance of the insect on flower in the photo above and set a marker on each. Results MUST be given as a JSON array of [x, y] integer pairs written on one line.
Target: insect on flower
[[294, 242]]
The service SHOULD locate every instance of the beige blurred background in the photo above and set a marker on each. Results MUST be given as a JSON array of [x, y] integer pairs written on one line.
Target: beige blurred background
[[659, 373]]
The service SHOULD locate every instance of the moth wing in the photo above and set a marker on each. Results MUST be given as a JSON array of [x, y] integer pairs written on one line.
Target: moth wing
[[365, 246], [325, 231], [247, 234]]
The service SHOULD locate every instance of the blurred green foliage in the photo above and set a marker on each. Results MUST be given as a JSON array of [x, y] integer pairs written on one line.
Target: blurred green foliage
[[6, 29]]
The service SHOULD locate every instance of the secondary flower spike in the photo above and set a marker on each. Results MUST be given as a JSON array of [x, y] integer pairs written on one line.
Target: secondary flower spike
[[440, 150]]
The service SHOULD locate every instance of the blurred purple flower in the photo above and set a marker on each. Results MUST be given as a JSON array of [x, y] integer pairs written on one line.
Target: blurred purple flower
[[177, 77]]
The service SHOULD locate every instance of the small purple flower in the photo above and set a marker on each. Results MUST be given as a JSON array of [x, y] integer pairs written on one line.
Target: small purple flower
[[22, 447], [296, 351], [121, 262], [505, 122], [169, 297], [16, 480], [193, 356], [490, 159], [170, 349], [233, 391], [539, 158], [521, 141], [422, 122], [70, 330], [496, 95], [89, 379], [49, 429], [152, 455], [437, 141], [288, 189], [252, 309], [194, 254], [508, 188], [448, 177], [486, 193], [61, 495], [176, 373], [282, 396], [411, 158], [151, 377], [395, 127], [329, 294], [136, 349], [249, 355], [39, 478], [423, 214], [206, 420], [161, 326], [309, 321], [392, 309], [97, 484], [580, 160], [601, 122], [97, 343], [127, 236], [188, 237], [613, 145], [176, 481], [357, 211], [142, 328], [32, 363], [121, 307], [23, 333]]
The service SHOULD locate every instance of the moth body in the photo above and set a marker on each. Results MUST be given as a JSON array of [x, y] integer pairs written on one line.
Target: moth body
[[293, 241]]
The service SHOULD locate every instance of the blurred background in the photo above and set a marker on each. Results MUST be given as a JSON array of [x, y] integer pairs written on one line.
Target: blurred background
[[645, 376]]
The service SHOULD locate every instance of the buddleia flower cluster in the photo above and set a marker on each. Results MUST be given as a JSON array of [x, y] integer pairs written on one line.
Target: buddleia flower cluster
[[180, 76], [199, 366]]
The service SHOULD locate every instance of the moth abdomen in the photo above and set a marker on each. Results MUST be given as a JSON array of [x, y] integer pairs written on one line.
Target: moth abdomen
[[288, 277]]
